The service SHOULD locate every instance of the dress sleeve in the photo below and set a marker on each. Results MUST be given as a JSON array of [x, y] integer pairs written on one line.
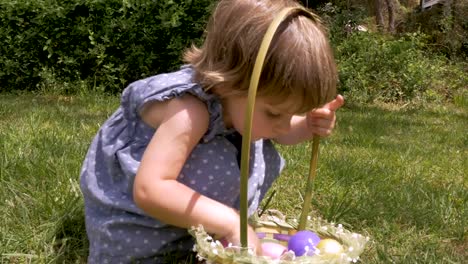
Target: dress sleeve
[[156, 88], [165, 87]]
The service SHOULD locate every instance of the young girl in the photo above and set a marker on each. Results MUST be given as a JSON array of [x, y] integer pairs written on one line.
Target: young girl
[[168, 158]]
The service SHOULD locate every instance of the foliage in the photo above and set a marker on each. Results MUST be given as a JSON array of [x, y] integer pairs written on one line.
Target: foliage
[[106, 43], [70, 46], [375, 67], [445, 24], [404, 67]]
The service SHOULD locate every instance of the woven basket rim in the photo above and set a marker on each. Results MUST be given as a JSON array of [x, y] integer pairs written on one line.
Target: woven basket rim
[[212, 250]]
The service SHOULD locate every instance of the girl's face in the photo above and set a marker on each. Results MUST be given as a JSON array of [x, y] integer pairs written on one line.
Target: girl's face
[[270, 120]]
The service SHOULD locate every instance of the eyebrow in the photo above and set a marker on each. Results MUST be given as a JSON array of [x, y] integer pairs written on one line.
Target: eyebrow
[[279, 105], [281, 110]]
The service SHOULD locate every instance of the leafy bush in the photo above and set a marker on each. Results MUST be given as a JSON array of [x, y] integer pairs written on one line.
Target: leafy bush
[[70, 45], [446, 25], [106, 43], [375, 67]]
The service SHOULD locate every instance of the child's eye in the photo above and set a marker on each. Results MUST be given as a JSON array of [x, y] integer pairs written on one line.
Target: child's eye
[[273, 115]]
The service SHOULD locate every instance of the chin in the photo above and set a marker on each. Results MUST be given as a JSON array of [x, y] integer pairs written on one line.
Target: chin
[[259, 138], [253, 139]]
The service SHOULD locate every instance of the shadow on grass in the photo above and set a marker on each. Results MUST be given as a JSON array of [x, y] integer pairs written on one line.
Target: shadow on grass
[[71, 242]]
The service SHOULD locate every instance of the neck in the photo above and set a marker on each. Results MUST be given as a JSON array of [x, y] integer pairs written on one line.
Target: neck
[[222, 99]]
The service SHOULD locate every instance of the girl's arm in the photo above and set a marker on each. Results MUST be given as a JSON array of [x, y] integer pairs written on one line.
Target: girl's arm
[[181, 123], [319, 122]]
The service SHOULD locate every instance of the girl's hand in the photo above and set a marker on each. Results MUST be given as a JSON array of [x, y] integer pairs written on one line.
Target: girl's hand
[[321, 121], [252, 242]]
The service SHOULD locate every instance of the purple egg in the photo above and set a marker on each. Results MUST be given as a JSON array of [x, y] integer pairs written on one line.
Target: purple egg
[[302, 242]]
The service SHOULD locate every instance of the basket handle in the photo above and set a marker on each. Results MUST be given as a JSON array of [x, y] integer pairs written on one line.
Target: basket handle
[[310, 183], [254, 80]]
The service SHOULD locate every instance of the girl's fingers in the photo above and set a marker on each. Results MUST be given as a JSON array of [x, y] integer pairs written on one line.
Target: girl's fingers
[[322, 113], [335, 104], [323, 123], [322, 120], [321, 131]]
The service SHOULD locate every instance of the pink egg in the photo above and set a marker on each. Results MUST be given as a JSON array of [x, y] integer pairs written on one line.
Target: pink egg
[[273, 250]]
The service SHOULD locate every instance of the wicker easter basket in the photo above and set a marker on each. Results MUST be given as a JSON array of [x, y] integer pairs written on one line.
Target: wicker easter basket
[[272, 225]]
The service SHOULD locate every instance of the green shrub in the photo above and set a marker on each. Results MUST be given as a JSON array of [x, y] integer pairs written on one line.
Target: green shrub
[[445, 24], [66, 46], [107, 43], [375, 67]]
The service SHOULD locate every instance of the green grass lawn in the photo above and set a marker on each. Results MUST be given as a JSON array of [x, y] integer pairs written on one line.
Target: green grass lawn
[[395, 175]]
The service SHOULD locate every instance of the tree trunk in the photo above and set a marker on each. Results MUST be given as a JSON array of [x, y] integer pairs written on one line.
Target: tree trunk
[[379, 7], [378, 11], [391, 15]]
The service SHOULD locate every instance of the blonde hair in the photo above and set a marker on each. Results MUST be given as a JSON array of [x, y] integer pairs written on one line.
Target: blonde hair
[[299, 62]]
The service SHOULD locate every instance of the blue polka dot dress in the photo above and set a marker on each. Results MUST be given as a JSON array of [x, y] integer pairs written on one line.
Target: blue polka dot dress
[[119, 231]]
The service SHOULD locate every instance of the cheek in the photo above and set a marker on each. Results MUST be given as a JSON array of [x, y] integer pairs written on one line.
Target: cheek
[[260, 125], [238, 121], [259, 122], [257, 125]]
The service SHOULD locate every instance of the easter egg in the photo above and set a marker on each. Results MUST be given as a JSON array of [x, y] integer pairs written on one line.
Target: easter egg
[[328, 246], [273, 250], [303, 242]]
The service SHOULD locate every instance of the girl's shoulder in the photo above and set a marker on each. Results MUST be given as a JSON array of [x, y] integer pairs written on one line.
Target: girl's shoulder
[[165, 87], [161, 87], [187, 109]]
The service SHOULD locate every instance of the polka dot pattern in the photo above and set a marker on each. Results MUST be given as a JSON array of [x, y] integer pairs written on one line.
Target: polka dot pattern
[[120, 232]]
